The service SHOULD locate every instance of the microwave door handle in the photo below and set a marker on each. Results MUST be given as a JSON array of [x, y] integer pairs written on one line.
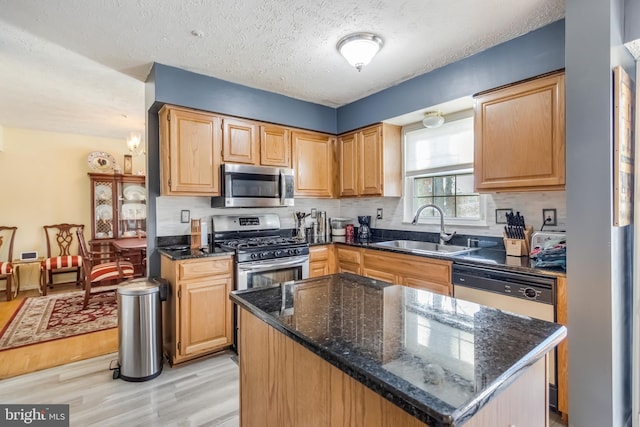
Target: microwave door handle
[[283, 187]]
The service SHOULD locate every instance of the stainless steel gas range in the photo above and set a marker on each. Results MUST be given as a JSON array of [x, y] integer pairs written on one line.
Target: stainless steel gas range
[[263, 256]]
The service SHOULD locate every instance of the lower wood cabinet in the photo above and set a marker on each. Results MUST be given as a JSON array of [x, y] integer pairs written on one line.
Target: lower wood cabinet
[[348, 259], [320, 260], [198, 315], [414, 271], [283, 384]]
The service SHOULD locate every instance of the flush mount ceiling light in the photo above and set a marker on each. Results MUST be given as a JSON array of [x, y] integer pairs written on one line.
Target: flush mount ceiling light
[[433, 119], [134, 144], [359, 48]]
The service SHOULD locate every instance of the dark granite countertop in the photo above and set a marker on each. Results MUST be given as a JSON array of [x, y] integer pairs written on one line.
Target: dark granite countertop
[[491, 257], [438, 358], [182, 252]]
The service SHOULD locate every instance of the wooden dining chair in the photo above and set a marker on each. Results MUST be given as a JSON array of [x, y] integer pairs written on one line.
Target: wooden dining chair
[[62, 255], [7, 234], [102, 272]]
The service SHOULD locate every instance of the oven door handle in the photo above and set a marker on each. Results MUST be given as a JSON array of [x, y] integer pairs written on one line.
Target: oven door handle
[[283, 187], [268, 265]]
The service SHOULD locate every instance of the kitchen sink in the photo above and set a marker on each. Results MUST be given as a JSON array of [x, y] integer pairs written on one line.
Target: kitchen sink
[[424, 247]]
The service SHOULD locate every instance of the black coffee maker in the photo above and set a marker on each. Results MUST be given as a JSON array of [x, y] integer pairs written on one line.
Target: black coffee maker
[[364, 232]]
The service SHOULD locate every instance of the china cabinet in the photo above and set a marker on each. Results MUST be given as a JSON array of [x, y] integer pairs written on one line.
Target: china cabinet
[[118, 211]]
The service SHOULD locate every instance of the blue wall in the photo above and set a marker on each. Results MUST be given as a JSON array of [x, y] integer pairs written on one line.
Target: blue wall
[[527, 56], [534, 53], [180, 87]]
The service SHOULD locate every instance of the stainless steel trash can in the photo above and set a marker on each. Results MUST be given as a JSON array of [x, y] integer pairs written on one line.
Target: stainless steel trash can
[[140, 329]]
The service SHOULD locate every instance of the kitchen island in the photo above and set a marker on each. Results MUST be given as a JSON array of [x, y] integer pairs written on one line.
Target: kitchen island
[[343, 350]]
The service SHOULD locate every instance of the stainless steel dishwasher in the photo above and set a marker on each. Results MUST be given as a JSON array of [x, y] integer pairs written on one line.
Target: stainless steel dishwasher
[[520, 293]]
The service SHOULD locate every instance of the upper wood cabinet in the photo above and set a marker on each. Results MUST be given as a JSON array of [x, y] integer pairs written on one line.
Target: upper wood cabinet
[[520, 136], [240, 141], [190, 145], [371, 162], [275, 146], [313, 162]]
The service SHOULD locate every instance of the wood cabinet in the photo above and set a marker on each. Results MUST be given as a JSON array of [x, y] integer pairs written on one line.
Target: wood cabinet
[[240, 141], [275, 146], [371, 162], [320, 260], [197, 316], [348, 259], [313, 162], [430, 274], [190, 152], [520, 136]]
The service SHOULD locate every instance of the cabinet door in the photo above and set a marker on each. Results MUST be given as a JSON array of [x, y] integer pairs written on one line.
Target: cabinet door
[[190, 144], [348, 157], [275, 146], [520, 136], [385, 276], [370, 162], [313, 159], [205, 315], [239, 141]]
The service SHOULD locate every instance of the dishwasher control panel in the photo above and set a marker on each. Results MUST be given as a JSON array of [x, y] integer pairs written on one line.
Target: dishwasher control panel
[[518, 285]]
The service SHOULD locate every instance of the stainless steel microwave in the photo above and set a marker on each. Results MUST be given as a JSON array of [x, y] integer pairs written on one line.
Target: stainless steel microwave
[[248, 186]]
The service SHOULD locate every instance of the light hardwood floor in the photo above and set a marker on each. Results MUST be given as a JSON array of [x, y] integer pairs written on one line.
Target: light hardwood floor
[[199, 393]]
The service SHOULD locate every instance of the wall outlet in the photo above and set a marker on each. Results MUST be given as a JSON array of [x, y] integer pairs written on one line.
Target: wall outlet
[[379, 213], [549, 217]]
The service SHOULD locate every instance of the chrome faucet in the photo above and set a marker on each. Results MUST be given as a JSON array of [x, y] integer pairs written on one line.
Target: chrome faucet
[[444, 236]]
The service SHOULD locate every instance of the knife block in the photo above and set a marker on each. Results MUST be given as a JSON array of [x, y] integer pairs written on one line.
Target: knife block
[[519, 247], [195, 234]]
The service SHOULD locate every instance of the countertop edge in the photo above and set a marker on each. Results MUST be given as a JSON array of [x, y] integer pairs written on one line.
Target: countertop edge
[[183, 257]]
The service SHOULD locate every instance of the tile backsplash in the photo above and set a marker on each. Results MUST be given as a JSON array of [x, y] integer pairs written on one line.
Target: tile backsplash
[[529, 204]]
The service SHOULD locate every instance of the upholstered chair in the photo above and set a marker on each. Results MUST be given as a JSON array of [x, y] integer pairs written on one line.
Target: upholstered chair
[[102, 272], [62, 255]]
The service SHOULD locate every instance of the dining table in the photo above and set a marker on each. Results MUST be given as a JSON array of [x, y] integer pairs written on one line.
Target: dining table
[[135, 249]]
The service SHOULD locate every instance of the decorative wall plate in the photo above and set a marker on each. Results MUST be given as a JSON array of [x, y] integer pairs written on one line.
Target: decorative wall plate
[[100, 161]]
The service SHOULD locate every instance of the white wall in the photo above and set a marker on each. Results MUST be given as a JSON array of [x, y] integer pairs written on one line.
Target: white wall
[[530, 204], [44, 181]]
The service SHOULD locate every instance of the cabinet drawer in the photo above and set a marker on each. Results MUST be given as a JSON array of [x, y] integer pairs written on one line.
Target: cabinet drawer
[[349, 255], [427, 269], [203, 268], [318, 253]]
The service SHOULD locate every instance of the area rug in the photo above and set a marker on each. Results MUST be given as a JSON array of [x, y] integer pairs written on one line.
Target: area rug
[[57, 316]]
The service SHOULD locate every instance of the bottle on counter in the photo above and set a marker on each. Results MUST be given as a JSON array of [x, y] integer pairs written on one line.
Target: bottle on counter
[[322, 225]]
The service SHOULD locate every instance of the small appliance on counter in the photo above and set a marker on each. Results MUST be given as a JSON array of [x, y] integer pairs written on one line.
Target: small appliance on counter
[[364, 232], [338, 226]]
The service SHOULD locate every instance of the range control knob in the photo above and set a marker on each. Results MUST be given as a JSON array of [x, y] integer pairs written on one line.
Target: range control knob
[[264, 254], [254, 256], [281, 252]]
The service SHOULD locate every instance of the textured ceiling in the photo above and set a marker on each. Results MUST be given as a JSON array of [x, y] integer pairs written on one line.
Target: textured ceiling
[[78, 66]]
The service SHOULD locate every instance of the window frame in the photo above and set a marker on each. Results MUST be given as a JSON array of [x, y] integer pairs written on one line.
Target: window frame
[[408, 183]]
